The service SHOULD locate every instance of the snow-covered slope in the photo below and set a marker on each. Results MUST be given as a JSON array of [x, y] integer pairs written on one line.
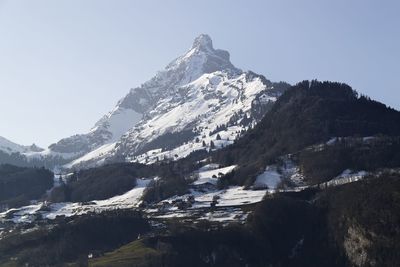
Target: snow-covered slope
[[128, 200], [199, 101], [200, 59], [10, 147], [180, 122], [108, 129]]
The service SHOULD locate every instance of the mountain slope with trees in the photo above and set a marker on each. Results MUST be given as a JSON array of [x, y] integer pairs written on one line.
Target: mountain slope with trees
[[307, 114], [19, 185], [324, 127]]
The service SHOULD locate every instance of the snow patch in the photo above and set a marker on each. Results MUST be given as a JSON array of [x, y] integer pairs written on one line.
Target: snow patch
[[130, 199], [209, 175], [270, 178]]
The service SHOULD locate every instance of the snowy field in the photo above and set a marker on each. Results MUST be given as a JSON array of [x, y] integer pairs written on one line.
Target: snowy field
[[234, 196], [204, 200], [130, 199], [211, 173]]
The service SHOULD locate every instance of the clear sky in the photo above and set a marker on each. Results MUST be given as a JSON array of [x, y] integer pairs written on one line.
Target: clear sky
[[65, 63]]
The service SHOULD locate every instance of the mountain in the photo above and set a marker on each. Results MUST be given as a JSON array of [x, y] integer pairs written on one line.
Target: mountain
[[198, 96], [10, 147], [20, 155], [324, 127], [29, 156], [307, 114], [345, 149], [200, 101]]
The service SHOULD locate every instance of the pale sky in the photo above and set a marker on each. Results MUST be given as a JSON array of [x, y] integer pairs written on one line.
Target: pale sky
[[65, 63]]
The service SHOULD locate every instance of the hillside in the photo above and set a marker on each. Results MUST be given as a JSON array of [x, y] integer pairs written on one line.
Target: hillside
[[351, 225], [314, 183], [19, 185], [308, 113]]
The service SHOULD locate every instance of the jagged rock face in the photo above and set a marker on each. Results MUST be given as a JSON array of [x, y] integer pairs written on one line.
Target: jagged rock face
[[200, 59], [196, 96], [200, 107]]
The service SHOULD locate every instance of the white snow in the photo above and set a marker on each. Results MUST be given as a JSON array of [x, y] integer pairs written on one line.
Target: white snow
[[181, 97], [332, 141], [24, 214], [226, 215], [48, 153], [347, 176], [233, 196], [100, 152], [130, 199], [10, 147], [270, 178], [189, 94], [209, 167], [210, 101], [206, 173], [118, 122]]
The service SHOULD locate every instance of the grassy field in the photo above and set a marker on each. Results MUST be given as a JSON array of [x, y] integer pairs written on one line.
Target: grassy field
[[133, 254]]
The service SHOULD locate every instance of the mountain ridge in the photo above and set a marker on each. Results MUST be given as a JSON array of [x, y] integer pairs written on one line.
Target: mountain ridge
[[203, 76], [201, 69], [345, 215], [11, 147]]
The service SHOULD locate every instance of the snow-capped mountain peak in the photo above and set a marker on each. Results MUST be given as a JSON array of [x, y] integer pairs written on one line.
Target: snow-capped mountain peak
[[200, 100], [200, 59], [203, 42]]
